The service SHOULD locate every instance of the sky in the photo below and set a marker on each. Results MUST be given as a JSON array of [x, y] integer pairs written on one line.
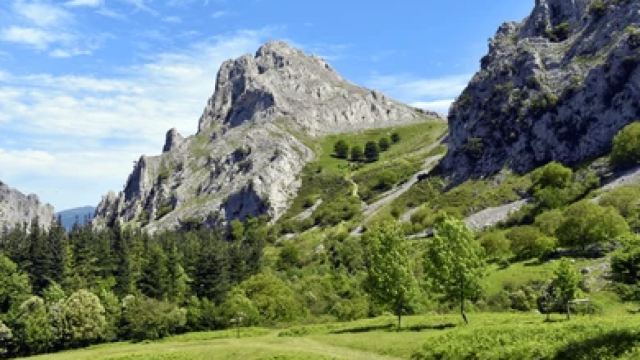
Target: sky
[[88, 86]]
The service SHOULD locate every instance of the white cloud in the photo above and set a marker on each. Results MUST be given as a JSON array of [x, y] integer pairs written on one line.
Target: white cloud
[[219, 14], [172, 19], [42, 14], [87, 3], [67, 53], [75, 137], [435, 94], [36, 38]]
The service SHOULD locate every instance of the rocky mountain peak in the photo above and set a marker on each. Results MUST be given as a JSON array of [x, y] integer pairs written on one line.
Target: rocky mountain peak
[[557, 86], [17, 208], [255, 136]]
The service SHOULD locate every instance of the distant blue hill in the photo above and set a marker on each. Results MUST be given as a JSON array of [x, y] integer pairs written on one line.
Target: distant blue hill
[[81, 215]]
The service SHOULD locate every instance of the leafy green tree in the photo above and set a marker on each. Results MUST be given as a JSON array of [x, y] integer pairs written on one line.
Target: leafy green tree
[[356, 153], [384, 143], [552, 175], [496, 245], [112, 313], [454, 262], [527, 242], [34, 333], [85, 319], [54, 293], [150, 319], [390, 281], [272, 298], [625, 268], [626, 146], [549, 221], [625, 200], [395, 137], [341, 149], [14, 286], [386, 180], [239, 305], [566, 281], [6, 339], [587, 223], [371, 151]]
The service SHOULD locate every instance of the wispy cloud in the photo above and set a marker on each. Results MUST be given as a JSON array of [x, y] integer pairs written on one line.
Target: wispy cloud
[[434, 93], [42, 14], [34, 37], [95, 127], [87, 3], [172, 19], [220, 14]]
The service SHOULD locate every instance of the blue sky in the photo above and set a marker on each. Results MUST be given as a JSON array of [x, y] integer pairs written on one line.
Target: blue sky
[[87, 86]]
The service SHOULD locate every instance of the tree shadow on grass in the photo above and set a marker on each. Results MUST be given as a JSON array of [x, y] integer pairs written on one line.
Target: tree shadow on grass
[[392, 327], [609, 345]]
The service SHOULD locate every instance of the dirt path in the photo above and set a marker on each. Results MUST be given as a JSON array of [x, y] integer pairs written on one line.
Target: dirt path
[[310, 346]]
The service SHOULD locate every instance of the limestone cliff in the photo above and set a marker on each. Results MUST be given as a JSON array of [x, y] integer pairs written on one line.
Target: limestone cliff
[[557, 86], [17, 208], [255, 136]]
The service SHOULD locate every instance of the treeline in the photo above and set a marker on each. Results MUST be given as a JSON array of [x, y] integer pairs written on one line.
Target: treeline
[[60, 291]]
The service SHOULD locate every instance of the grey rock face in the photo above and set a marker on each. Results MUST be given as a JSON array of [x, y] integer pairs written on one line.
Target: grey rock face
[[17, 208], [255, 136], [543, 94]]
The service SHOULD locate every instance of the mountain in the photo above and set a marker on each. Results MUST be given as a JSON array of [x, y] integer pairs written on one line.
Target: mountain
[[81, 215], [254, 138], [557, 86], [17, 208]]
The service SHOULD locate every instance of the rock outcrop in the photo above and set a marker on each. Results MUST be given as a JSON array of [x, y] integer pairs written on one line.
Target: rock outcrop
[[254, 138], [557, 86], [17, 208]]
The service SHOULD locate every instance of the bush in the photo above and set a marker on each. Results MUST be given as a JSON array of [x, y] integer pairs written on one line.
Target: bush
[[496, 245], [372, 151], [552, 175], [559, 33], [356, 153], [386, 180], [85, 318], [341, 149], [274, 301], [626, 146], [395, 137], [384, 144], [586, 223], [527, 242], [151, 319], [549, 221], [598, 8]]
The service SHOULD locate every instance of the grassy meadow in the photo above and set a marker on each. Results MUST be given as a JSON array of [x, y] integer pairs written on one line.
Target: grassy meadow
[[613, 334]]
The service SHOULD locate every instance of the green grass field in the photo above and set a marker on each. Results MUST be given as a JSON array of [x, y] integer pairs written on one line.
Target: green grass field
[[611, 335]]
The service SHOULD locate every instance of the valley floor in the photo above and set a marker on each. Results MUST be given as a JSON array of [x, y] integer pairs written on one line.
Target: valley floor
[[609, 335]]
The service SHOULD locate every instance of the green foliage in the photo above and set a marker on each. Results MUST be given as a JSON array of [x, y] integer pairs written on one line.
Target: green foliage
[[625, 268], [371, 151], [146, 318], [496, 245], [274, 301], [33, 327], [560, 33], [163, 211], [625, 200], [626, 146], [566, 281], [6, 337], [84, 318], [14, 285], [384, 143], [390, 281], [357, 154], [598, 8], [386, 180], [341, 149], [549, 221], [474, 147], [527, 242], [587, 223], [454, 262], [395, 137], [552, 175]]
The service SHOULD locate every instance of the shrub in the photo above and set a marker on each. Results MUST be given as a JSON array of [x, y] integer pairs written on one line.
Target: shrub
[[386, 180], [587, 223], [150, 319], [474, 147], [527, 242], [598, 8], [548, 222], [552, 175], [384, 144], [395, 137], [626, 146], [559, 33], [85, 318], [496, 245], [356, 153], [341, 149], [372, 151]]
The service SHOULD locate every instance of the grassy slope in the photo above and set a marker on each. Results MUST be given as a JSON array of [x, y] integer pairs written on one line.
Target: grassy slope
[[611, 335], [326, 177]]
